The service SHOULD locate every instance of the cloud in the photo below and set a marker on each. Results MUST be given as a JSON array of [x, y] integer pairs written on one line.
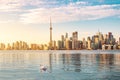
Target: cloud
[[70, 13], [39, 11], [18, 5], [10, 5]]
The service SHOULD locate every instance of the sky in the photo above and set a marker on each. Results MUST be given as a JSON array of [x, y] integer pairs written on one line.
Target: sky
[[29, 20]]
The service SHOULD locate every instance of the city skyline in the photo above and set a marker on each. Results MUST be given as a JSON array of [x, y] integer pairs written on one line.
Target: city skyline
[[94, 42], [28, 20]]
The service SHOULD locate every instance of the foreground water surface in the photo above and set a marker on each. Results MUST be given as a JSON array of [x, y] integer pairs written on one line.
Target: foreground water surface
[[61, 65]]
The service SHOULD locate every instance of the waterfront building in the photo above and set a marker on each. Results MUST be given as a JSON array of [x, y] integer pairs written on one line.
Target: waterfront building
[[119, 40], [45, 47], [75, 40], [103, 47], [109, 47], [33, 47], [2, 46], [63, 41], [110, 36], [67, 47], [24, 46], [88, 43], [66, 36], [59, 45], [84, 43], [114, 47], [68, 44], [93, 46], [105, 38], [96, 38], [100, 36], [54, 45], [9, 47], [80, 45]]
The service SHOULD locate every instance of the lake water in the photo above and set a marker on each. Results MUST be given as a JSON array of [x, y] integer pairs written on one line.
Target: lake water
[[61, 65]]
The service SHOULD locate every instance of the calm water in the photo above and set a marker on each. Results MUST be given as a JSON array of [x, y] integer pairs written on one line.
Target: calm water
[[62, 65]]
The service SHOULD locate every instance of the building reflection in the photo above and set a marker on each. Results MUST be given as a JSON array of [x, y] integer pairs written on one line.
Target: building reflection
[[76, 62], [71, 62], [117, 59], [107, 59], [23, 60]]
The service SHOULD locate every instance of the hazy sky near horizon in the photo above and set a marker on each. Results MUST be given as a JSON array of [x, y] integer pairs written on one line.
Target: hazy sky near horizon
[[28, 20]]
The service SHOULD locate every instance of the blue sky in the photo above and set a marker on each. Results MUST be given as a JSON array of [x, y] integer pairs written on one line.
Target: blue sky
[[28, 20]]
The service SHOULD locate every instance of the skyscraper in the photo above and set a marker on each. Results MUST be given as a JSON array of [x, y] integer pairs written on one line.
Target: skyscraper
[[84, 43], [75, 40], [50, 35], [88, 43], [63, 41], [119, 40]]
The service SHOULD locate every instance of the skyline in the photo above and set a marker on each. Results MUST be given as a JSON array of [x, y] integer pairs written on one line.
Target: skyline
[[29, 21]]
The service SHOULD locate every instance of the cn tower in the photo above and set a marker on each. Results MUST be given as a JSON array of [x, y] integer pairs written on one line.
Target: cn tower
[[50, 34]]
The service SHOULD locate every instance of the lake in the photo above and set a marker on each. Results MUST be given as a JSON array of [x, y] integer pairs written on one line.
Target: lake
[[61, 65]]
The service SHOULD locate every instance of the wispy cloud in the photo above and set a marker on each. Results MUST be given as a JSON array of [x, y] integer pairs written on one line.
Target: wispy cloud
[[70, 13], [18, 5], [39, 11], [10, 5]]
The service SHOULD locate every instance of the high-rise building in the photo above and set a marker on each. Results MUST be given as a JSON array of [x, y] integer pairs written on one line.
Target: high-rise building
[[111, 39], [66, 36], [75, 40], [59, 45], [2, 46], [63, 41], [9, 47], [54, 45], [88, 43], [110, 36], [50, 45], [119, 40], [67, 44], [84, 43]]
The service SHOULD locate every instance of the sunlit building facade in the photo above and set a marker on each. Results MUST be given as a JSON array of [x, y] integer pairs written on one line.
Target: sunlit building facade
[[75, 40]]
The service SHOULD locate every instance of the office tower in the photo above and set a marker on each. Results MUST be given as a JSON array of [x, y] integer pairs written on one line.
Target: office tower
[[54, 45], [63, 41], [66, 36], [110, 36], [80, 44], [16, 45], [96, 39], [2, 46], [119, 40], [59, 45], [111, 39], [106, 39], [45, 47], [25, 46], [33, 46], [75, 40], [9, 47], [67, 44], [88, 43], [84, 43], [50, 45], [70, 43]]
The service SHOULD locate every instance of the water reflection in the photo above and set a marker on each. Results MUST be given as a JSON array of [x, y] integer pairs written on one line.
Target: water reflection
[[71, 62], [27, 63]]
